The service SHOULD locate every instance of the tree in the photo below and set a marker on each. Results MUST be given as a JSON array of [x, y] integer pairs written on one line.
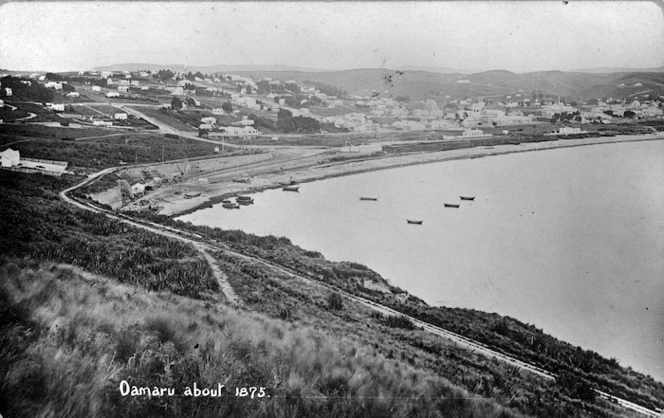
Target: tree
[[629, 114], [176, 103], [164, 75], [227, 107], [54, 77], [285, 121]]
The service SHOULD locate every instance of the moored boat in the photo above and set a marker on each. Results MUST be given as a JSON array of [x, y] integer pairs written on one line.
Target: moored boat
[[245, 200], [291, 188], [467, 197], [191, 195], [230, 205], [452, 205], [368, 198], [410, 221]]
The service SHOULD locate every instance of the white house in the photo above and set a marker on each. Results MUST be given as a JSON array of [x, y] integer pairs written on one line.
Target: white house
[[53, 85], [10, 157], [112, 94], [96, 88], [123, 89], [74, 94], [135, 83], [57, 107], [472, 133], [205, 126], [217, 111], [102, 123], [209, 119], [8, 92], [567, 130], [137, 189], [120, 116], [2, 103], [367, 128], [237, 131], [109, 81]]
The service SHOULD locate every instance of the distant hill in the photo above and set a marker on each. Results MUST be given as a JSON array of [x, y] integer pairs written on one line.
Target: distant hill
[[605, 70], [421, 85], [629, 85], [446, 83], [204, 69]]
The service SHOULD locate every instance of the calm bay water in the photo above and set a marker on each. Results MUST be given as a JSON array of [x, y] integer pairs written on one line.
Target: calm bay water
[[571, 240]]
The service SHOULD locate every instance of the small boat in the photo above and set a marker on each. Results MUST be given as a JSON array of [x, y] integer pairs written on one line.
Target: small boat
[[410, 221], [291, 188], [245, 200], [368, 198], [191, 195], [226, 201], [452, 205], [230, 205], [467, 197]]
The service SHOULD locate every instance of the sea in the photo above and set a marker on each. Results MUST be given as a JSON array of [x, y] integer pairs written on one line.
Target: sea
[[569, 239]]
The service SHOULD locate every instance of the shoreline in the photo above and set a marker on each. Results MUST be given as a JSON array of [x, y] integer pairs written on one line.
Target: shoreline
[[216, 192]]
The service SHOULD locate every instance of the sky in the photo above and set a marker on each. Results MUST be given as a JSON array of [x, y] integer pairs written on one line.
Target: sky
[[517, 36]]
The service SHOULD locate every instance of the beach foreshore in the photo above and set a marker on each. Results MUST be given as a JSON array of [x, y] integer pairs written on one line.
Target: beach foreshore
[[173, 203]]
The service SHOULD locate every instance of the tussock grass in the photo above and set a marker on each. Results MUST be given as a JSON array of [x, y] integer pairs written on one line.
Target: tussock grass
[[70, 339]]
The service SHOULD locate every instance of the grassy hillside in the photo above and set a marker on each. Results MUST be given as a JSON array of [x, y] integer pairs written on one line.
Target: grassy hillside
[[103, 149], [626, 86], [69, 340]]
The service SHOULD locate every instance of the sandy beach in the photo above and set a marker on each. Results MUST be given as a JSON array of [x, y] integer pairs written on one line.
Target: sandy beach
[[310, 167]]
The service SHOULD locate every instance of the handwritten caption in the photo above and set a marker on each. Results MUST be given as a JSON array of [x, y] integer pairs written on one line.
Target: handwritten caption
[[217, 391]]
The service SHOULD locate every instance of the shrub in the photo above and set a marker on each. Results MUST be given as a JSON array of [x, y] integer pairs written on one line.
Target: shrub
[[335, 302], [399, 321]]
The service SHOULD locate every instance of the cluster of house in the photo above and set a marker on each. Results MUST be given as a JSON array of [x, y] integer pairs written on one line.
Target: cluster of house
[[478, 114], [108, 123], [242, 128], [648, 109]]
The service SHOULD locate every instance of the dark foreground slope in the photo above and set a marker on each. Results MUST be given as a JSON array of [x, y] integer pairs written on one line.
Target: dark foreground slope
[[72, 342]]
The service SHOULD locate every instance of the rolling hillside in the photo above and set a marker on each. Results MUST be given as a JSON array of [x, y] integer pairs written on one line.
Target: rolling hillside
[[422, 85]]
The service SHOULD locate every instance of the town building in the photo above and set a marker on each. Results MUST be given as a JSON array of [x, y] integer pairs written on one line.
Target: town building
[[470, 133]]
